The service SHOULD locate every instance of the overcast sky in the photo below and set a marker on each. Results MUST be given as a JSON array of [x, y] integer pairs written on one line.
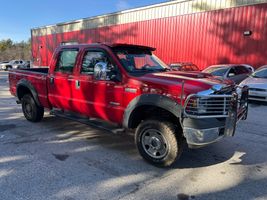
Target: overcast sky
[[17, 17]]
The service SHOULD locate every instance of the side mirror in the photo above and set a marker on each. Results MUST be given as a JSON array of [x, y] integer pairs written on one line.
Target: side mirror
[[101, 72]]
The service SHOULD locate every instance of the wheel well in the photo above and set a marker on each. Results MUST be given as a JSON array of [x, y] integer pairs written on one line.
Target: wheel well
[[145, 112], [21, 91]]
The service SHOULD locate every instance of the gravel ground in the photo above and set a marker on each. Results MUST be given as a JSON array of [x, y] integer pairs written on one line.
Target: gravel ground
[[62, 159]]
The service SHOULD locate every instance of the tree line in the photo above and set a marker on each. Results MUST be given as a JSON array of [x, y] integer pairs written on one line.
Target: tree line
[[10, 50]]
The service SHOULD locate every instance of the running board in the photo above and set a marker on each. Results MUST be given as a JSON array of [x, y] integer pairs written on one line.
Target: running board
[[90, 122]]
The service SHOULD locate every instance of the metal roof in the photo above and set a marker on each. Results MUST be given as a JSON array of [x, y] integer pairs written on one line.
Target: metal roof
[[156, 11]]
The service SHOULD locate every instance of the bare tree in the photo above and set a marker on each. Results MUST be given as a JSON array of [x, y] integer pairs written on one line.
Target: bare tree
[[10, 50]]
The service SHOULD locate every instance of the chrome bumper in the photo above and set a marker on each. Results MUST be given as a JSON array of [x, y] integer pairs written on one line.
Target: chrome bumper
[[203, 131]]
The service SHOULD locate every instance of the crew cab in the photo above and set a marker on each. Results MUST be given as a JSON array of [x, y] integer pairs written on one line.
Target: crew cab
[[128, 85]]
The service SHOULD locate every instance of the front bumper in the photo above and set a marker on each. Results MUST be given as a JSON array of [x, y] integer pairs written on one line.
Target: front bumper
[[201, 137], [203, 131]]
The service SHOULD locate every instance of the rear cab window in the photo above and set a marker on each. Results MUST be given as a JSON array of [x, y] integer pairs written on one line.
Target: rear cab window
[[66, 60]]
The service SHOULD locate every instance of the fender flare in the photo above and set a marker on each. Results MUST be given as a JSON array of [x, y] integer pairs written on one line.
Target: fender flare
[[28, 85], [156, 100]]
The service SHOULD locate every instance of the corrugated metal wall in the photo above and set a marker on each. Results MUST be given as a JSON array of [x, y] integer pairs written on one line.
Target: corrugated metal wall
[[204, 35]]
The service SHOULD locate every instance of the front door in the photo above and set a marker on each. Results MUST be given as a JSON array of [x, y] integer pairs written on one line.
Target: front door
[[103, 96]]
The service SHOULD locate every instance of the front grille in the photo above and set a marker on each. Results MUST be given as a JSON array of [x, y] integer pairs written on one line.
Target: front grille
[[219, 105], [208, 106]]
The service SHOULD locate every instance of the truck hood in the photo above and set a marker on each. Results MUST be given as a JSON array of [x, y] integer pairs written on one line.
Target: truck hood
[[194, 82]]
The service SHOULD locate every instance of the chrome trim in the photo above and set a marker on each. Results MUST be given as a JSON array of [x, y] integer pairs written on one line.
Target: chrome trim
[[114, 103], [206, 96], [131, 90], [201, 137]]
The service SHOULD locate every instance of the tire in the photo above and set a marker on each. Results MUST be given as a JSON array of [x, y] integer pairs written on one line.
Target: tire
[[8, 68], [159, 142], [32, 112]]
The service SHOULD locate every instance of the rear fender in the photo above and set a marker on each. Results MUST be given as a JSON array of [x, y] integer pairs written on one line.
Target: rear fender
[[26, 84]]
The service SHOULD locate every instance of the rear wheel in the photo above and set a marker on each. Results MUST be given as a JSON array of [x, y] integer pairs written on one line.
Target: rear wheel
[[31, 110], [159, 142]]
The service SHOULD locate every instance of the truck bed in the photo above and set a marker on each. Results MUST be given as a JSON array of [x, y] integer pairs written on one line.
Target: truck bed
[[35, 77], [37, 70]]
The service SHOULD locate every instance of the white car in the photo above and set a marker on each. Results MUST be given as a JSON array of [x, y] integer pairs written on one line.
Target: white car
[[13, 64], [3, 65], [257, 83]]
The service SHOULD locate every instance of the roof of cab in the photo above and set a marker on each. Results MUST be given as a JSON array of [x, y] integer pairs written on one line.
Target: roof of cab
[[113, 45]]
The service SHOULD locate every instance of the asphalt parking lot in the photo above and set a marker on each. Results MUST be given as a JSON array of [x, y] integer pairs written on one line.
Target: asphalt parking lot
[[62, 159]]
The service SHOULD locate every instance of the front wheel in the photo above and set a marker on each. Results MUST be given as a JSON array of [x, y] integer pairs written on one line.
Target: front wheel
[[31, 110], [159, 142]]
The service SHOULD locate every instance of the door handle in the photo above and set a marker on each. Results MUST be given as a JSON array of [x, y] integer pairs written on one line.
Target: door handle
[[77, 84], [52, 80]]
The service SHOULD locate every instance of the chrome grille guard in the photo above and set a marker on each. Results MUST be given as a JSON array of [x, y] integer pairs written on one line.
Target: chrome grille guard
[[201, 106]]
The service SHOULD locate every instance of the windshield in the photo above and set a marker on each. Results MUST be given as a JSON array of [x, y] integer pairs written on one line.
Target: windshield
[[216, 71], [261, 73], [140, 61], [190, 68]]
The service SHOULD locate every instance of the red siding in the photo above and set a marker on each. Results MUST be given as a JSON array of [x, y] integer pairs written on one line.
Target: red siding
[[203, 38]]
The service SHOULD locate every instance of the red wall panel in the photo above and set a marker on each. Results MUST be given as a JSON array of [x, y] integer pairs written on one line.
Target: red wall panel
[[203, 38]]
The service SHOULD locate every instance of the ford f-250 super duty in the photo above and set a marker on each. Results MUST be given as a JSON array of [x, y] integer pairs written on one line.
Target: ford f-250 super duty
[[128, 85]]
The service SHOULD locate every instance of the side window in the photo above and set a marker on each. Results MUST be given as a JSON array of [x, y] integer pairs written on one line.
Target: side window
[[66, 60], [240, 70], [98, 64], [232, 72], [90, 59]]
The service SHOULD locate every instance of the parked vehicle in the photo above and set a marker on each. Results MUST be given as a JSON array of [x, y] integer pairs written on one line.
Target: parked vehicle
[[128, 85], [3, 65], [13, 64], [27, 64], [257, 84], [184, 66], [234, 72]]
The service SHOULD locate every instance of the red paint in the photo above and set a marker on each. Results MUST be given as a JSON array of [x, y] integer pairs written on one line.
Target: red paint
[[94, 96]]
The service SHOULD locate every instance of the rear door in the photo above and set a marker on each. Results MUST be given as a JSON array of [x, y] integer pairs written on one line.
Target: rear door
[[60, 81]]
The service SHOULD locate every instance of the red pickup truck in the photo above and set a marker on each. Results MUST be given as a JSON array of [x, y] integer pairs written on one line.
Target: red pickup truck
[[128, 85]]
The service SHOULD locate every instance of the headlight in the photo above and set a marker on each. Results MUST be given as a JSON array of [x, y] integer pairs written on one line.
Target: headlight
[[211, 105], [202, 105], [197, 105]]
